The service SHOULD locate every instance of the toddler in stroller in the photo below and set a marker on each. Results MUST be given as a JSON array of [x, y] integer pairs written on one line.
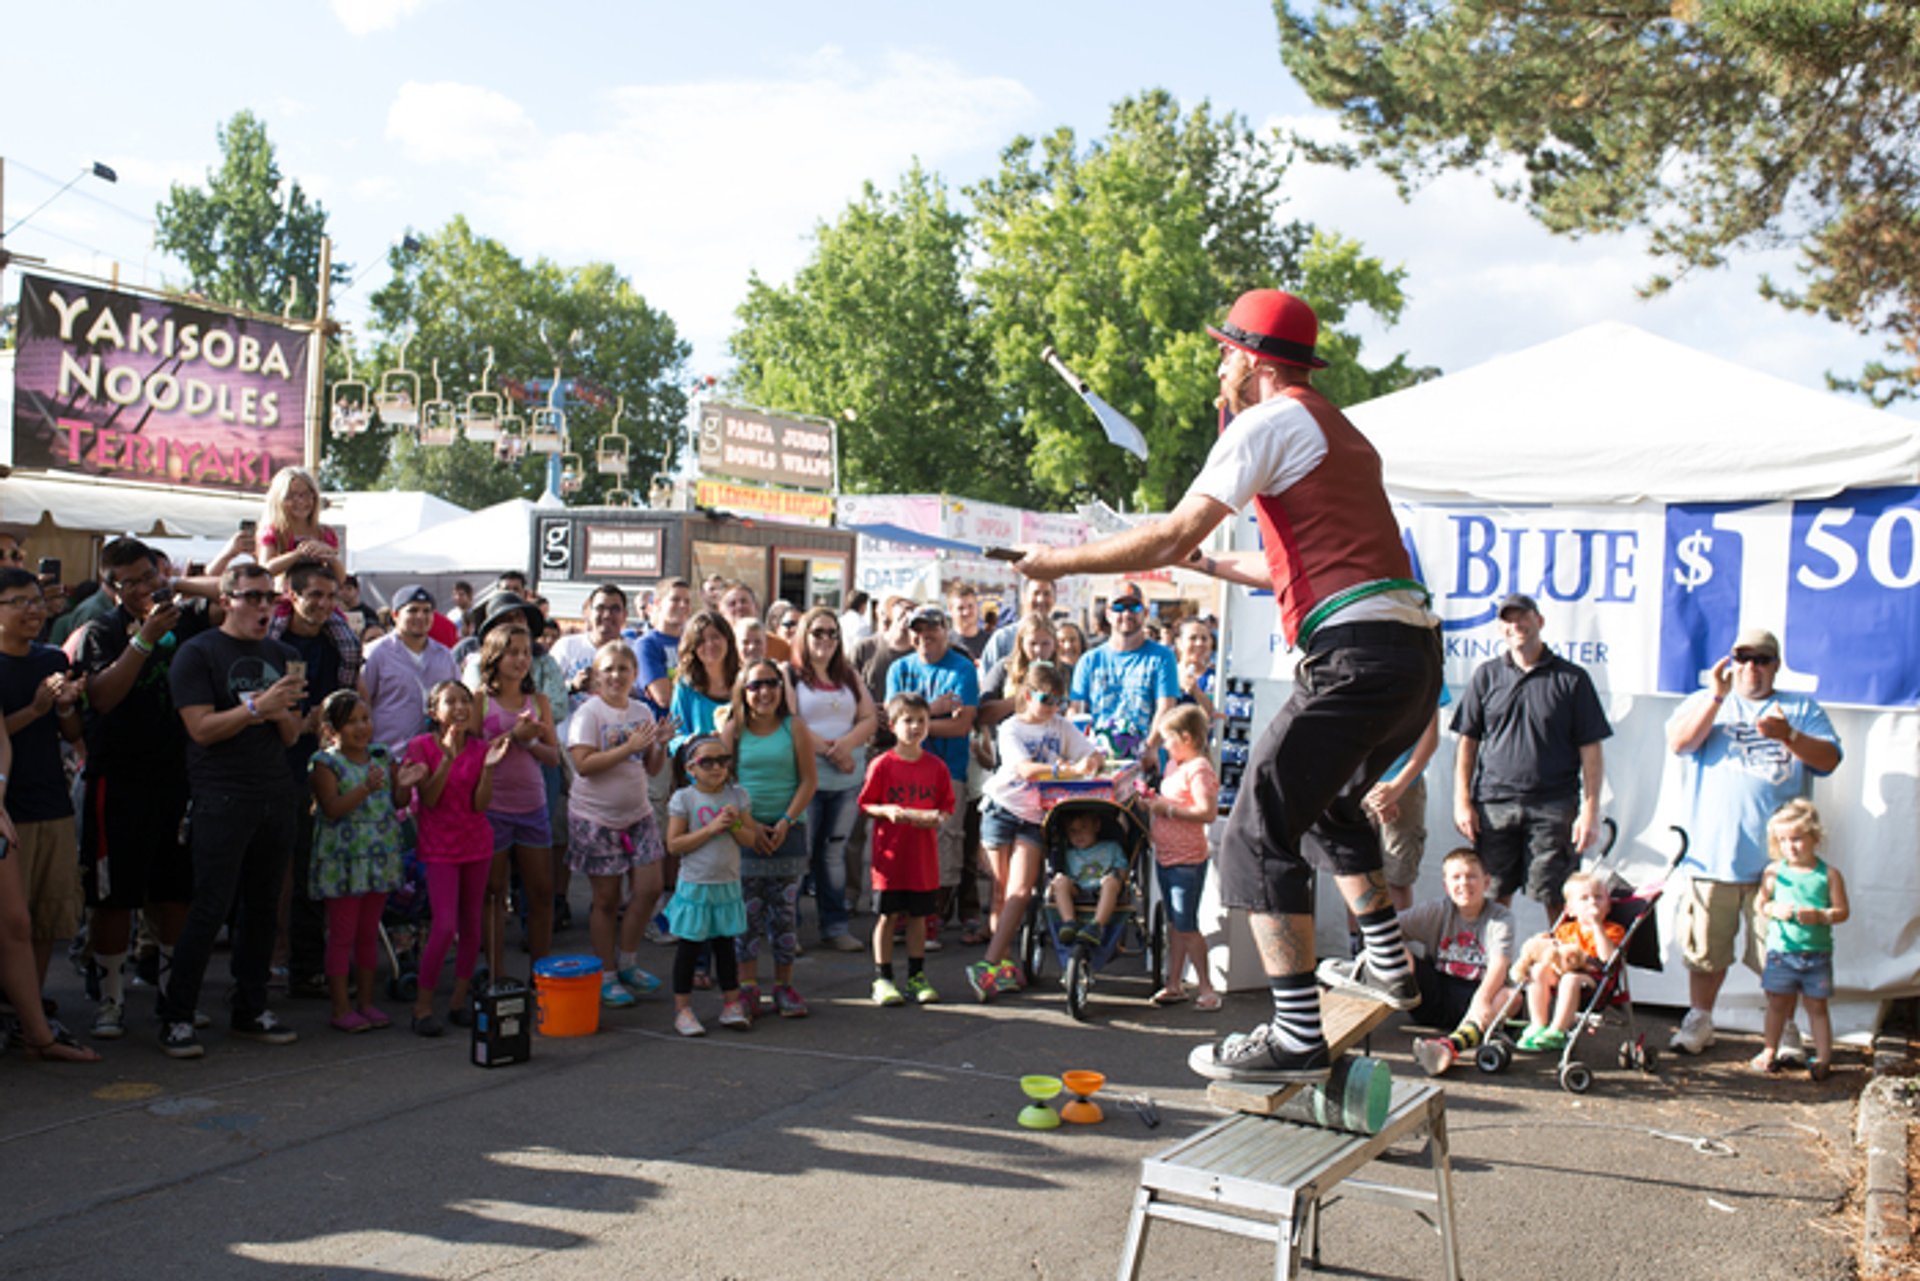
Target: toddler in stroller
[[1094, 872], [1560, 966]]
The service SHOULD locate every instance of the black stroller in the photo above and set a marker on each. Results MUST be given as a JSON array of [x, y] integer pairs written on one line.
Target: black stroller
[[1632, 908], [1040, 931]]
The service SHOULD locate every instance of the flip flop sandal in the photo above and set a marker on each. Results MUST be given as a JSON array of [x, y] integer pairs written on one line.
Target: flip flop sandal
[[1167, 996], [1207, 1001], [61, 1048]]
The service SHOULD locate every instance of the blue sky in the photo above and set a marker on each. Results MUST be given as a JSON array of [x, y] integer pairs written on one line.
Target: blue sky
[[691, 147]]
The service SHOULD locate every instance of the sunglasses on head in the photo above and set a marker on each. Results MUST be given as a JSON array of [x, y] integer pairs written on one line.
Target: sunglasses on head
[[712, 762], [1127, 606], [252, 598], [754, 687], [1756, 660]]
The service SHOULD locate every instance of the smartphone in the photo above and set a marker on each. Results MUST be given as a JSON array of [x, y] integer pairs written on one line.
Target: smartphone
[[163, 596], [297, 667], [248, 526], [49, 570], [1004, 553]]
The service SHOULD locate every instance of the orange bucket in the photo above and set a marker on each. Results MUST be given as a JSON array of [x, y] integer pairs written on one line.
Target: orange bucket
[[568, 988]]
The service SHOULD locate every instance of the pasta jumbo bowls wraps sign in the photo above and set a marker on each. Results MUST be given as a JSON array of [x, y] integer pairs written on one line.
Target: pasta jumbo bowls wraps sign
[[1648, 596], [132, 388]]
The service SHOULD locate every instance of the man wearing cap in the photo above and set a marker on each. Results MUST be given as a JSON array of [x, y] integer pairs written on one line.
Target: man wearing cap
[[403, 666], [1366, 686], [1127, 684], [1750, 749], [951, 685], [1527, 774]]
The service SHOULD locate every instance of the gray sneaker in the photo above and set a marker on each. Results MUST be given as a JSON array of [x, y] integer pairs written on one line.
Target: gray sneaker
[[1357, 976], [110, 1021], [1257, 1058]]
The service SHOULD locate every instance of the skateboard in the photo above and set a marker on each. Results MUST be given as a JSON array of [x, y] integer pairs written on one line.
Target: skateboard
[[1347, 1019]]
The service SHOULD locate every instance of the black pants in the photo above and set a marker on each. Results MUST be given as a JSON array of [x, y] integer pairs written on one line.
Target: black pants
[[1445, 999], [241, 845], [1362, 695], [306, 915]]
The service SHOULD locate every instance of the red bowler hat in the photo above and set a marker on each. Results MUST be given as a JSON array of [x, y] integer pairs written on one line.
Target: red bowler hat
[[1273, 325]]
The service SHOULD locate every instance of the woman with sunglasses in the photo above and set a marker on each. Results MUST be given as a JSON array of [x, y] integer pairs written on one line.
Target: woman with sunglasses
[[773, 754], [838, 711], [783, 631]]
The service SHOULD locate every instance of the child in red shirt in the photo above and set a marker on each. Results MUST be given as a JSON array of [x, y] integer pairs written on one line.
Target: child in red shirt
[[907, 793], [1558, 967]]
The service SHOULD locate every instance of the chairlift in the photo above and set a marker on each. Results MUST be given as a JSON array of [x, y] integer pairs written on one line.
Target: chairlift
[[511, 444], [611, 452], [485, 409], [548, 433], [352, 402], [438, 419], [398, 399], [572, 474], [660, 492]]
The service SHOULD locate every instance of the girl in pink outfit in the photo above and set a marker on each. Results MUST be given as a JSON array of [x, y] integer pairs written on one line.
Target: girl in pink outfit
[[507, 705], [456, 844]]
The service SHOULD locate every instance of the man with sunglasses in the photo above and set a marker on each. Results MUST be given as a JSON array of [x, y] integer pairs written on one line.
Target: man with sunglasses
[[1365, 687], [240, 707], [132, 858], [1750, 748], [1127, 684]]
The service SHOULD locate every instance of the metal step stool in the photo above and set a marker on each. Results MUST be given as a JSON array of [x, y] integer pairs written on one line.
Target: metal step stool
[[1265, 1178]]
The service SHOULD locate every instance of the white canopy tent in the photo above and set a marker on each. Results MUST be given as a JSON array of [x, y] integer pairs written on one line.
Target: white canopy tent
[[1595, 440], [1614, 414], [486, 541]]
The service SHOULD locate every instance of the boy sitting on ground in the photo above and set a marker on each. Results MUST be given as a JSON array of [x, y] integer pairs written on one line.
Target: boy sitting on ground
[[1558, 966], [1467, 944], [1096, 870]]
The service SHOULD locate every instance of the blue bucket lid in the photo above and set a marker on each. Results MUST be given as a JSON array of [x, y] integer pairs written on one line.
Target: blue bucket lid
[[567, 967]]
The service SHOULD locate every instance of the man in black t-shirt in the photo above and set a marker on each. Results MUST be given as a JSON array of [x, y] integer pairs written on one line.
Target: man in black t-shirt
[[131, 855], [333, 660], [238, 704], [1529, 766]]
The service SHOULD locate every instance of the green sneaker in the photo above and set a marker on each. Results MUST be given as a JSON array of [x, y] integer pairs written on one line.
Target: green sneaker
[[920, 990], [1007, 977], [886, 993]]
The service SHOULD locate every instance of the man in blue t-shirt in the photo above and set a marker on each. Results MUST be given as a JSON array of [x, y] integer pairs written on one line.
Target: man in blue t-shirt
[[1750, 749], [1127, 683], [946, 677], [659, 649]]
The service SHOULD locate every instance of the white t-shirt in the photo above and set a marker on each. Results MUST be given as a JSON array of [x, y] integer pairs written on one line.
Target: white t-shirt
[[616, 797], [1025, 743], [830, 713]]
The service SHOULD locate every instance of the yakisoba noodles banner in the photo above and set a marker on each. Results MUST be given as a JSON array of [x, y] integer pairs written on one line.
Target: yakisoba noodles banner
[[117, 385]]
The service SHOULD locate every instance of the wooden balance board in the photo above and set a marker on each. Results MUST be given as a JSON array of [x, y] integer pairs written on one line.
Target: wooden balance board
[[1347, 1019]]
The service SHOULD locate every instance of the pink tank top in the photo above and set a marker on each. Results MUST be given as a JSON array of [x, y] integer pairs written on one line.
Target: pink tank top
[[518, 787]]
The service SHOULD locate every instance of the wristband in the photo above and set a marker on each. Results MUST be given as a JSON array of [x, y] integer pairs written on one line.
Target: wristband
[[140, 643], [252, 711], [1719, 699]]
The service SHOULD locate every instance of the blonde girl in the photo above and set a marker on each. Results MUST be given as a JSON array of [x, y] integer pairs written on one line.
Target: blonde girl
[[290, 528], [1802, 899], [615, 744]]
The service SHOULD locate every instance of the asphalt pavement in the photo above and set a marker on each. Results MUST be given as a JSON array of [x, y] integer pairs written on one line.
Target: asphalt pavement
[[859, 1142]]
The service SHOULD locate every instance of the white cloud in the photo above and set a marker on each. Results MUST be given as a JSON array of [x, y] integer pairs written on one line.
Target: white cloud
[[689, 187], [450, 123], [364, 17]]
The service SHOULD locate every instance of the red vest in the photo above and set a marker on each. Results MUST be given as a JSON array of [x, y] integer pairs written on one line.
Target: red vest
[[1333, 529]]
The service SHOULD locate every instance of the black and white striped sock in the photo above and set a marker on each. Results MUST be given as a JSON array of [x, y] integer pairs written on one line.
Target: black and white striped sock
[[1386, 950], [1296, 1012]]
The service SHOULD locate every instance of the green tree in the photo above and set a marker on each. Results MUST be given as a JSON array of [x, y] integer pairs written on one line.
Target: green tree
[[1119, 255], [878, 332], [454, 295], [1717, 125], [251, 237]]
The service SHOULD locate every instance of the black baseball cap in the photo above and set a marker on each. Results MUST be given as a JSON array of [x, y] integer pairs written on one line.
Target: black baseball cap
[[1517, 600]]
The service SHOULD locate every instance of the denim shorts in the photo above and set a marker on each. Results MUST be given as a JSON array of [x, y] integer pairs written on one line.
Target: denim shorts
[[1808, 974], [1180, 886], [999, 827], [529, 829]]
